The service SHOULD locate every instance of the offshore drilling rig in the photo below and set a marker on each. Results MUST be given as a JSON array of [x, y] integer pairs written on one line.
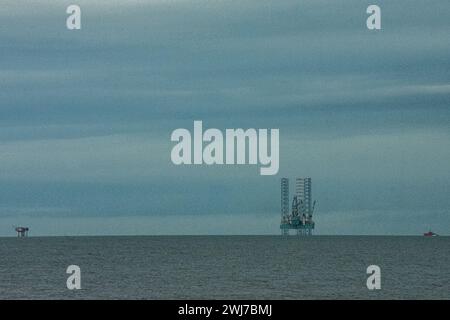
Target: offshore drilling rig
[[300, 216], [22, 232]]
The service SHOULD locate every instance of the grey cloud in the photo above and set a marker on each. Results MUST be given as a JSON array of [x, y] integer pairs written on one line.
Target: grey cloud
[[86, 116]]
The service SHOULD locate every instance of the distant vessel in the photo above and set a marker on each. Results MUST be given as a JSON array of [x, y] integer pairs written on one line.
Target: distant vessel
[[430, 234]]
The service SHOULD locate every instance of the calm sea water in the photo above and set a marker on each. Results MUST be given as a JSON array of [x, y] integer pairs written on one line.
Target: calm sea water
[[228, 267]]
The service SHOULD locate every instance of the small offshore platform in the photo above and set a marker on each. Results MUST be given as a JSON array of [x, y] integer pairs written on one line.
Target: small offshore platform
[[299, 218], [22, 232]]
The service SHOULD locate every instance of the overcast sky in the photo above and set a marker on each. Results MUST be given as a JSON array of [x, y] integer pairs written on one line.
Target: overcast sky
[[86, 115]]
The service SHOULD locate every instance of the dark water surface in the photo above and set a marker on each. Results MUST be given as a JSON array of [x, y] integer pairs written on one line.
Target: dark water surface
[[228, 267]]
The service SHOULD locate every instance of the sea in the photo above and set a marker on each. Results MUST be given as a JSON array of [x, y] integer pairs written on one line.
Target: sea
[[225, 267]]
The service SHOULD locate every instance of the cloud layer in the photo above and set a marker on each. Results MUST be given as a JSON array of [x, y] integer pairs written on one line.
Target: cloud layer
[[86, 116]]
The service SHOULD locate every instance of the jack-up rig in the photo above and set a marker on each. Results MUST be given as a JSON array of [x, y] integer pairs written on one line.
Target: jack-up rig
[[300, 218]]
